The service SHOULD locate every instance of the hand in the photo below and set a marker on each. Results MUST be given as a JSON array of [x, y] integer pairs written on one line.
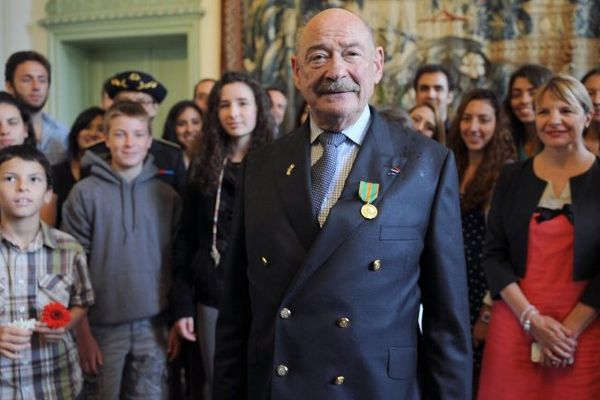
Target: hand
[[480, 328], [173, 344], [13, 340], [185, 328], [50, 335], [90, 356], [556, 341], [548, 362]]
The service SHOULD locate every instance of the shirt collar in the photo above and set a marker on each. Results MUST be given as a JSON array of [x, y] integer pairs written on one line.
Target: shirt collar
[[355, 132], [42, 238]]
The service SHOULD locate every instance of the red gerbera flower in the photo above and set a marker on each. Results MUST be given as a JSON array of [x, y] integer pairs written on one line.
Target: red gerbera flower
[[55, 315]]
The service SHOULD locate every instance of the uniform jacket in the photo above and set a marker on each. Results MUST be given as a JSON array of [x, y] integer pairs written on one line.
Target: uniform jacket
[[516, 196], [331, 313]]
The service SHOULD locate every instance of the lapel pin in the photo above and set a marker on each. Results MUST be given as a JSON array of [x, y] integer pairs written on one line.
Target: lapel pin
[[290, 169], [395, 170], [368, 192]]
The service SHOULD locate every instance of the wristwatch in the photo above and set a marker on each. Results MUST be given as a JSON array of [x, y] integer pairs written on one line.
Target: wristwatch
[[486, 317]]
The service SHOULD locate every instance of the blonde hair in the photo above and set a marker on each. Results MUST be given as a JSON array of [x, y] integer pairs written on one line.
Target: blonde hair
[[567, 89], [126, 109]]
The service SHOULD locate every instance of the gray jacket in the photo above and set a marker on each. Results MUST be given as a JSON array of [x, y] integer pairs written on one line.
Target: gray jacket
[[127, 230]]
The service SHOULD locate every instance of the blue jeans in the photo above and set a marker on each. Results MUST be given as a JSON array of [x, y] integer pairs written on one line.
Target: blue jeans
[[135, 357]]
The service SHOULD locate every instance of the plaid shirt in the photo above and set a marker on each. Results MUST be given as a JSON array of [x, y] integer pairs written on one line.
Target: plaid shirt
[[53, 268]]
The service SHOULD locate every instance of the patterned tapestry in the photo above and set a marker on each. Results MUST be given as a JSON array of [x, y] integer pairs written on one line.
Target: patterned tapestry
[[481, 41]]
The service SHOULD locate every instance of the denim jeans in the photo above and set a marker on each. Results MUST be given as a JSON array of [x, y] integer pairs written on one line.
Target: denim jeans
[[135, 357]]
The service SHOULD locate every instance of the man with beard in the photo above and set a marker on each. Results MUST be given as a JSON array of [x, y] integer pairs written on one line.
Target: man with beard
[[342, 228], [434, 84], [27, 77]]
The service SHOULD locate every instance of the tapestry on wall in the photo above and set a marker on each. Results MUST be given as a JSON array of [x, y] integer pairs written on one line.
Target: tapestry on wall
[[480, 41]]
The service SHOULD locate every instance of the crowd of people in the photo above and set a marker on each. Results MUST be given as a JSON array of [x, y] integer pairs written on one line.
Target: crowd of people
[[231, 260]]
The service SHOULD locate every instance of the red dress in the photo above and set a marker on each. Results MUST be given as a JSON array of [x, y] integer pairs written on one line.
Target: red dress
[[508, 372]]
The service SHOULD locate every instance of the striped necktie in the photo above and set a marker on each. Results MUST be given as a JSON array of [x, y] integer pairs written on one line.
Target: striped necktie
[[323, 170]]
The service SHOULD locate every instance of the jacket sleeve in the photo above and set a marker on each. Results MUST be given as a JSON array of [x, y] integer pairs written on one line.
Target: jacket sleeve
[[76, 219], [180, 173], [181, 297], [233, 325], [496, 262], [591, 295], [446, 350]]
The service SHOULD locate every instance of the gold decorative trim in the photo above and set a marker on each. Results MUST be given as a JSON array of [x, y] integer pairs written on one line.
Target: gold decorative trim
[[232, 50], [60, 12]]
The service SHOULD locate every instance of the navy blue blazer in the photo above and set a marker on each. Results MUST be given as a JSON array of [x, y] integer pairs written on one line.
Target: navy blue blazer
[[331, 313]]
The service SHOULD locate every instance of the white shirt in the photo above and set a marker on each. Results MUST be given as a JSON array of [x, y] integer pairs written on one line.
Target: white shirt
[[347, 153]]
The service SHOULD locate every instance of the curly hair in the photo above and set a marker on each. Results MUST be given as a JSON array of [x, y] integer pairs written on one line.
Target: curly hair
[[169, 130], [537, 75], [499, 151], [206, 166]]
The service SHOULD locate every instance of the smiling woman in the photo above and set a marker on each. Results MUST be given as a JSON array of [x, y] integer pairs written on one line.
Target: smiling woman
[[541, 260], [238, 118], [184, 127], [482, 146], [520, 107]]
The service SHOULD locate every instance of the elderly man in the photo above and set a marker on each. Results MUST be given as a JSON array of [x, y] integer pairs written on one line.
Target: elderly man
[[342, 229], [201, 92]]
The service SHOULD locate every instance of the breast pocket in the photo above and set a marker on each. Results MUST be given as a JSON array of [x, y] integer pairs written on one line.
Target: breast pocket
[[54, 288], [398, 232], [402, 362]]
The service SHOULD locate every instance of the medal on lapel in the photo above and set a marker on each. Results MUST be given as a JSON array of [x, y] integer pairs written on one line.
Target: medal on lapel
[[368, 192]]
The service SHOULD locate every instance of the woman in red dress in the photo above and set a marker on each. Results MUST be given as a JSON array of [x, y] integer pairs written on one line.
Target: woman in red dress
[[542, 262]]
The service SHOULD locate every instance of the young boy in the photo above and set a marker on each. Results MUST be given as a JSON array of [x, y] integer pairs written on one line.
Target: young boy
[[38, 265], [125, 218]]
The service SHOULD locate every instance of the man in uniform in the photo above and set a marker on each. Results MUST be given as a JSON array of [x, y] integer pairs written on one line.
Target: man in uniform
[[142, 88], [342, 228]]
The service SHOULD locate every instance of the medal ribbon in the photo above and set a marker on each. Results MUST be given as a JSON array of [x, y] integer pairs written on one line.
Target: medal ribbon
[[368, 191]]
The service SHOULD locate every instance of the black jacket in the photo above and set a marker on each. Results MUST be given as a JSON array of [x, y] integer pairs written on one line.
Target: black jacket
[[516, 196], [195, 278]]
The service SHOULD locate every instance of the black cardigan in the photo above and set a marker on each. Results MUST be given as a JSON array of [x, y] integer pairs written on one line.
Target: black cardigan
[[195, 277], [516, 195]]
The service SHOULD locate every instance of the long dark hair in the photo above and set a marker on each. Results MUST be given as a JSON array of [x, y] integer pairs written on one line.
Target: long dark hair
[[83, 121], [171, 121], [537, 75], [499, 150], [8, 98], [205, 168], [594, 129]]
